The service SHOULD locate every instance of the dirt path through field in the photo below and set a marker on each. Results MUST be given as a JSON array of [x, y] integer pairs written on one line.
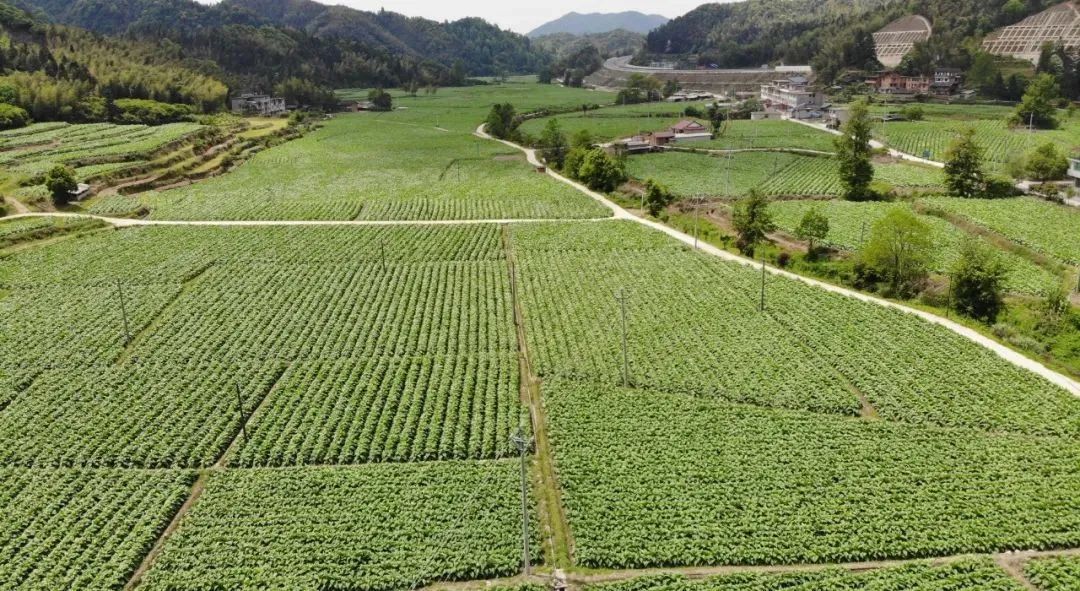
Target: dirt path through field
[[557, 539]]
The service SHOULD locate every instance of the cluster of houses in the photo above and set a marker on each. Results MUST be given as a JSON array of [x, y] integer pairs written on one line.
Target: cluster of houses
[[683, 96], [944, 82], [686, 130]]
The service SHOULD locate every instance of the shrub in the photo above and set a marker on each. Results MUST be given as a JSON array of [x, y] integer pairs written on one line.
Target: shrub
[[148, 112], [12, 116], [60, 181]]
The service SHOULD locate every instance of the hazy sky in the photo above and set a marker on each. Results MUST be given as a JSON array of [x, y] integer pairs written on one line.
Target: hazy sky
[[518, 15]]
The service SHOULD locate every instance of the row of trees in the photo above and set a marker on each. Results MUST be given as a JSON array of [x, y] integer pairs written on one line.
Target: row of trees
[[896, 257]]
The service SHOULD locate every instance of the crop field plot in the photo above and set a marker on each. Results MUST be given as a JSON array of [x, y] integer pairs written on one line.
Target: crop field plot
[[146, 416], [962, 575], [372, 528], [605, 125], [999, 142], [760, 486], [694, 327], [1055, 574], [379, 167], [1047, 227], [850, 224], [743, 134], [388, 409], [82, 529], [773, 173]]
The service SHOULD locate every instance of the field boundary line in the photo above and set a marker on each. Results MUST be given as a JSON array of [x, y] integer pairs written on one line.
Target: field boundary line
[[577, 576], [196, 491], [558, 539], [158, 318], [230, 449], [1018, 359], [134, 222]]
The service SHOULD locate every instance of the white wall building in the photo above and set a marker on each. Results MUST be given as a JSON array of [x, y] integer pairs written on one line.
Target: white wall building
[[258, 104], [792, 95]]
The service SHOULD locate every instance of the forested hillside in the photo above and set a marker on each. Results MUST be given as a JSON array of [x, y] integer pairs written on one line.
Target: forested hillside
[[55, 72], [832, 35], [334, 45], [612, 43]]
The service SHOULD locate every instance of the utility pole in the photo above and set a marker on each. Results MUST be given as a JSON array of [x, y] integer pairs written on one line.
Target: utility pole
[[240, 405], [762, 283], [123, 311], [948, 297], [382, 253], [621, 296], [523, 443]]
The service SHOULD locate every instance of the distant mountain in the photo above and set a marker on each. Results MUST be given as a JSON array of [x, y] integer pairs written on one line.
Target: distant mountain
[[609, 44], [581, 24]]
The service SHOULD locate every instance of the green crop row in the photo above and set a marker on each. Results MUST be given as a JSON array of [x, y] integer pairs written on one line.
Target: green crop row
[[1055, 574], [1047, 227], [962, 575], [370, 528], [387, 409], [655, 479], [694, 327], [81, 529]]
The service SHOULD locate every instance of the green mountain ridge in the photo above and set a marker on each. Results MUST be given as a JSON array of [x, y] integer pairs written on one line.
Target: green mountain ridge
[[483, 48]]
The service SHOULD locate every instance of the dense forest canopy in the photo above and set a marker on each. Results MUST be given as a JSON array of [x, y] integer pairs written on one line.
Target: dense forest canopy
[[832, 35], [390, 47]]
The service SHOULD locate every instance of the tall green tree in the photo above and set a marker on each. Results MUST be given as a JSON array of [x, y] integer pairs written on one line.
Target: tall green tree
[[1046, 163], [553, 144], [813, 228], [380, 100], [600, 171], [1037, 107], [502, 121], [898, 251], [853, 152], [752, 221], [963, 166], [978, 281], [657, 197]]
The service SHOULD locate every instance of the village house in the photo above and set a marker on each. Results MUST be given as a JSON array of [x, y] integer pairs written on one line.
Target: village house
[[792, 96], [690, 95], [352, 106], [946, 81], [1074, 169], [258, 104], [686, 130], [894, 83]]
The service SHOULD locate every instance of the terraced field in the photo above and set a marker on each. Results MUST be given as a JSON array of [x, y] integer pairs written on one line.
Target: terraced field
[[90, 147], [850, 223]]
